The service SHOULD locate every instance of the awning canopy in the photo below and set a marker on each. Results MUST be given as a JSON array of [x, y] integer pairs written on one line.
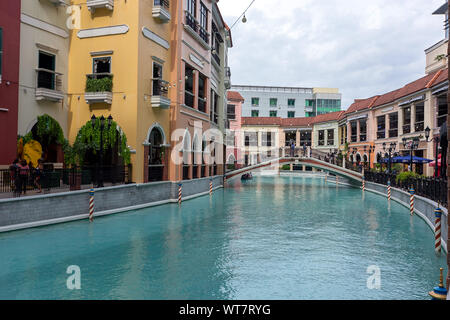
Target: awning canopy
[[406, 159]]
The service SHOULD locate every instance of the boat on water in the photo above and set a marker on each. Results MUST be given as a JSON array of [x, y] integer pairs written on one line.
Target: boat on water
[[247, 176]]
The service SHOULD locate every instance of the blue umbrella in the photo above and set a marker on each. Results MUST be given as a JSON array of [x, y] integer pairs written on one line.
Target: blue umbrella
[[407, 159]]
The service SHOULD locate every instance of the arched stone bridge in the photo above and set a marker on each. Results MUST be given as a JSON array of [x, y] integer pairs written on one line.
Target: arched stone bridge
[[306, 161]]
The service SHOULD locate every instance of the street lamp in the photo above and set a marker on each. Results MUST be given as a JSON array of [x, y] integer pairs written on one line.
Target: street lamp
[[437, 140], [411, 145], [390, 150], [102, 127], [371, 149]]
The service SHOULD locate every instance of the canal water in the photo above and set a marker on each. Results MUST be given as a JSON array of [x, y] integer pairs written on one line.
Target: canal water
[[271, 238]]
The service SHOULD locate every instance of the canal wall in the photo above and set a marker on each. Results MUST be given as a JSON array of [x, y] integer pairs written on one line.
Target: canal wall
[[423, 207], [34, 211]]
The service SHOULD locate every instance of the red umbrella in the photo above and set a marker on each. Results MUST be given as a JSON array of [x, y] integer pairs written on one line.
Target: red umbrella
[[432, 164]]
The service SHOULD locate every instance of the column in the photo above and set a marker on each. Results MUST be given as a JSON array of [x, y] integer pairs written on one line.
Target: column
[[401, 122], [358, 130], [166, 164], [413, 118], [297, 139], [388, 126], [291, 167], [146, 152]]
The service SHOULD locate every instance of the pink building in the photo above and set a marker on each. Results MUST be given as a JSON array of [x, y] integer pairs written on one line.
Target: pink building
[[234, 116]]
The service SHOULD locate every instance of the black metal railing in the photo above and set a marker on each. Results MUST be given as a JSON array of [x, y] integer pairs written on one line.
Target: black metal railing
[[194, 25], [162, 3], [216, 57], [406, 128], [430, 188], [189, 99], [48, 79], [160, 87], [201, 104], [419, 126], [155, 172], [393, 133], [74, 178]]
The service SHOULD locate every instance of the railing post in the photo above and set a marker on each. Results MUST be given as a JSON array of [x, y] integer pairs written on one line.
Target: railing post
[[437, 232]]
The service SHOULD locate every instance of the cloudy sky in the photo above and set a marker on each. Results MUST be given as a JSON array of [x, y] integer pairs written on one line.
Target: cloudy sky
[[362, 47]]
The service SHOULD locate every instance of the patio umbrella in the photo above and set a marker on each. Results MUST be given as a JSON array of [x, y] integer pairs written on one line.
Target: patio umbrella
[[407, 159], [433, 163]]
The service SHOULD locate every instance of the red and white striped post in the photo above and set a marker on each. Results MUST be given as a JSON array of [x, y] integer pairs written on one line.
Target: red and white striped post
[[389, 190], [437, 228], [91, 205], [210, 187], [411, 200], [363, 184], [180, 193]]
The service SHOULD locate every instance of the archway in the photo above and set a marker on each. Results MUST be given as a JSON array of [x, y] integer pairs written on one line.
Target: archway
[[358, 158], [156, 155]]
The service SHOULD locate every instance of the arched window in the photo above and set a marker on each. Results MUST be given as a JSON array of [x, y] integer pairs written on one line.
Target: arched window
[[155, 156]]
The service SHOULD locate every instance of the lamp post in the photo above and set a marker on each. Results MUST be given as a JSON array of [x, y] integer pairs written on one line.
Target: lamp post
[[391, 149], [371, 149], [102, 127], [411, 145], [437, 140]]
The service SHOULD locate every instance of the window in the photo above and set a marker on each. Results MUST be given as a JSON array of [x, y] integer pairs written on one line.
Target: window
[[330, 137], [203, 31], [251, 139], [231, 113], [273, 102], [189, 86], [381, 127], [393, 125], [202, 93], [291, 114], [273, 113], [321, 137], [290, 136], [354, 131], [255, 113], [291, 102], [158, 86], [255, 102], [442, 107], [46, 74], [420, 118], [363, 130], [192, 7], [1, 51], [215, 107], [407, 120], [306, 138], [266, 139], [101, 66]]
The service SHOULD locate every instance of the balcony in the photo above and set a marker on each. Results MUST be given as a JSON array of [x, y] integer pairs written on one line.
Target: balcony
[[161, 10], [406, 129], [98, 4], [381, 134], [419, 126], [99, 88], [309, 109], [393, 133], [196, 30], [57, 2], [48, 85], [227, 78], [159, 97]]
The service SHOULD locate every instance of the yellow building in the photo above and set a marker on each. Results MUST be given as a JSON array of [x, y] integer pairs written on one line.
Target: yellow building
[[119, 56]]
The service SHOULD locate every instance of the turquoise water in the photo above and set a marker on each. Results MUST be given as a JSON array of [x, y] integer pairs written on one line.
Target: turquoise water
[[272, 238]]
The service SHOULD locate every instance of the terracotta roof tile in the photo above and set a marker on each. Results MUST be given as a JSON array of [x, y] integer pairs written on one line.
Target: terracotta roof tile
[[387, 98], [297, 122], [361, 104], [333, 116], [261, 121], [235, 96]]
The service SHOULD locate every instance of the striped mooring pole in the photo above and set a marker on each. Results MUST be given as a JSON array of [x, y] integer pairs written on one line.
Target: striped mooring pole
[[411, 200], [363, 184], [389, 190], [180, 192], [337, 180], [210, 187], [438, 244], [439, 292], [91, 205]]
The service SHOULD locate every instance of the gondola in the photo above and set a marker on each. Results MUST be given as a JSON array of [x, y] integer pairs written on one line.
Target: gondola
[[247, 177]]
